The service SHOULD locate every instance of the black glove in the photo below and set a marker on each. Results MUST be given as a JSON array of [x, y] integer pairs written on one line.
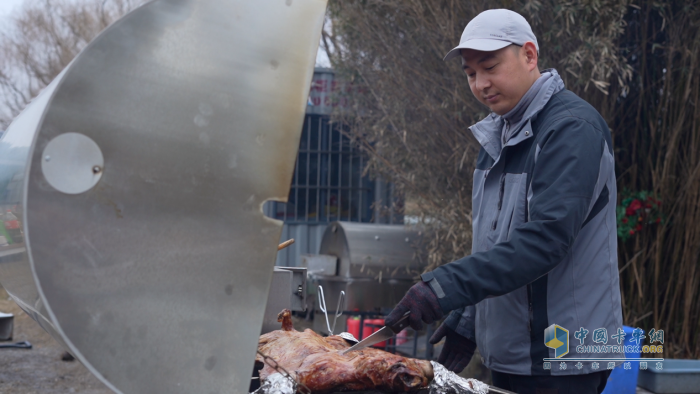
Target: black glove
[[423, 304], [457, 350]]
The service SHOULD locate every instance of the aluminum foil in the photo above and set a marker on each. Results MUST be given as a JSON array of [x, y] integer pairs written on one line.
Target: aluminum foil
[[448, 382], [444, 382], [276, 384]]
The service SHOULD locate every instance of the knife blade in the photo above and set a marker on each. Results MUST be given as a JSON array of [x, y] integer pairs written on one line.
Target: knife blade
[[382, 334]]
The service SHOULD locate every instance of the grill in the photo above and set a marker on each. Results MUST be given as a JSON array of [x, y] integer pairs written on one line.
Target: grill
[[373, 264]]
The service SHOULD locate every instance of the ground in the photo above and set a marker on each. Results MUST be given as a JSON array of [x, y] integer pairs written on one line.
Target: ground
[[40, 370]]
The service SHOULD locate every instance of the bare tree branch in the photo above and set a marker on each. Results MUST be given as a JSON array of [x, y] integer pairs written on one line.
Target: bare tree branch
[[41, 41]]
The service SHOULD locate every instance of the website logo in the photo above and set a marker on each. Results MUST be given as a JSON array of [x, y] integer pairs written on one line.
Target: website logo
[[557, 337]]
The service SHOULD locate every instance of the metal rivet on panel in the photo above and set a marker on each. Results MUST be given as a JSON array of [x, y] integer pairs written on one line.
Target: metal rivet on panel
[[527, 133]]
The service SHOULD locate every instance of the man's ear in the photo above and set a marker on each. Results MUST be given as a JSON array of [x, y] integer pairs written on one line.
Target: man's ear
[[530, 52]]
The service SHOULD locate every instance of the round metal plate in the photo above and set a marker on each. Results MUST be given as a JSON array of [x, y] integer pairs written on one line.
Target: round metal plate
[[72, 163]]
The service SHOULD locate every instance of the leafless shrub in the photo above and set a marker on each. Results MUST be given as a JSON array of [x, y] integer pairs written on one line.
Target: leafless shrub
[[657, 131]]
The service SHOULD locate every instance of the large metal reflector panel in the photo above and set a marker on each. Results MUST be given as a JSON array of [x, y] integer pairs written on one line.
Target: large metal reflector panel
[[155, 272]]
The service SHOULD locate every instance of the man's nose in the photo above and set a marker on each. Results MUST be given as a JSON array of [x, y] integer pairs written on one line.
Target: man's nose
[[482, 82]]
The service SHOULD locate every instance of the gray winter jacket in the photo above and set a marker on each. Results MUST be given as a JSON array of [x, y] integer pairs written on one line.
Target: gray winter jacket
[[544, 247]]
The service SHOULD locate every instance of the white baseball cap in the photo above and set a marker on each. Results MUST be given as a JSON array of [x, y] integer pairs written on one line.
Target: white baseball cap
[[492, 30]]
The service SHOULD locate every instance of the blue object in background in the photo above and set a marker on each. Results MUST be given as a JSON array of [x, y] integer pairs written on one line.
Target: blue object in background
[[676, 376], [621, 380]]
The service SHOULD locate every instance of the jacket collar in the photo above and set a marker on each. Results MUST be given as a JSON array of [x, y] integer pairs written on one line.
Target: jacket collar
[[489, 130]]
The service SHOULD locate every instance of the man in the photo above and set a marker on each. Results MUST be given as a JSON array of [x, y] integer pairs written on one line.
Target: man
[[544, 249]]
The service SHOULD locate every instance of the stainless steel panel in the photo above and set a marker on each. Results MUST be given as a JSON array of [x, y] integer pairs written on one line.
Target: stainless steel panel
[[298, 295], [287, 291], [373, 251], [6, 326], [320, 264], [157, 277], [277, 300]]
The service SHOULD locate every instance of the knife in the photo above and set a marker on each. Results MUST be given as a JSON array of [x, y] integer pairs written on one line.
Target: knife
[[382, 334]]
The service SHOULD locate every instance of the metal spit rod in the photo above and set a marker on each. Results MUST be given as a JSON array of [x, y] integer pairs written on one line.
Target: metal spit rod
[[496, 390]]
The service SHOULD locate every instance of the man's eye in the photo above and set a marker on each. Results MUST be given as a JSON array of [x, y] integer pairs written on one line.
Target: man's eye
[[491, 68]]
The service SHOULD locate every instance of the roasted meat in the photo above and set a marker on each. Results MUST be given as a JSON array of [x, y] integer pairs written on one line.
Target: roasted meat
[[316, 362]]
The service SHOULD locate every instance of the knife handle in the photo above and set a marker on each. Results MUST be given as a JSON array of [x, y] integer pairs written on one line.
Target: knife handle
[[403, 322]]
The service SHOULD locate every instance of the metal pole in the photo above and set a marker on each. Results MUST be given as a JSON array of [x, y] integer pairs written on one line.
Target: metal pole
[[378, 199], [318, 170], [351, 170], [362, 211], [295, 185], [362, 325], [308, 168], [340, 175], [328, 184], [391, 204]]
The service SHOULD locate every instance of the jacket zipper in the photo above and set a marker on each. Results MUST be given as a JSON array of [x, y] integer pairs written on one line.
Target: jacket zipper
[[529, 308], [501, 190]]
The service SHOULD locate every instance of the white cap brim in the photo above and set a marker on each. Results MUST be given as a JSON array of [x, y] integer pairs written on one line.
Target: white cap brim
[[479, 44]]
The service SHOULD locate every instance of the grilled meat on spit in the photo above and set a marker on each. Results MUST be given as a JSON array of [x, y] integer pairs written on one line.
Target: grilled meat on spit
[[316, 362]]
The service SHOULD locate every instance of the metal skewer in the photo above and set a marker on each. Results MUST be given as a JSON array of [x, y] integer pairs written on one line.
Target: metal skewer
[[322, 306], [496, 390], [338, 309]]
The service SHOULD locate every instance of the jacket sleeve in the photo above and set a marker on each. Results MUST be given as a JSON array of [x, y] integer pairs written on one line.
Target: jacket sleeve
[[463, 322], [564, 177]]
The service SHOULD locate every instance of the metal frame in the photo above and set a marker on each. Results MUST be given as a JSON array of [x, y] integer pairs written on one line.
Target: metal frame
[[332, 149]]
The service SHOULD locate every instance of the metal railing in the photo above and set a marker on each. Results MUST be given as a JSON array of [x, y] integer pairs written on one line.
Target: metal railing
[[328, 184]]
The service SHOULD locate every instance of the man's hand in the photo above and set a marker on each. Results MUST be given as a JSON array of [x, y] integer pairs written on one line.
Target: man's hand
[[457, 350], [422, 303]]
